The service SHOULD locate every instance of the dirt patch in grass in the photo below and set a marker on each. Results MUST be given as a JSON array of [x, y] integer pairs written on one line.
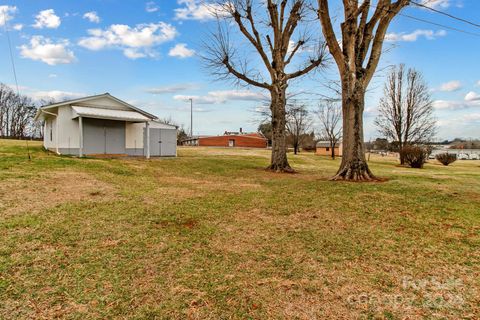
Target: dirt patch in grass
[[49, 190], [212, 184]]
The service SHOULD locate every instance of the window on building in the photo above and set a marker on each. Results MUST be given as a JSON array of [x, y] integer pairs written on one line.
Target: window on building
[[51, 132], [327, 148]]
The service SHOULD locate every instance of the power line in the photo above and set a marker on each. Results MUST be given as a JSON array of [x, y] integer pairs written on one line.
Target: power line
[[10, 49], [445, 14], [439, 25], [433, 23], [5, 24]]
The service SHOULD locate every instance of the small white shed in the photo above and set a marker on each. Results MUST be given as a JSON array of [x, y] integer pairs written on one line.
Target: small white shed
[[105, 125]]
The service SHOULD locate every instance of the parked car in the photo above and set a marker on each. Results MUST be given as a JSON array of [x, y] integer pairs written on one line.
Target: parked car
[[474, 156], [462, 156]]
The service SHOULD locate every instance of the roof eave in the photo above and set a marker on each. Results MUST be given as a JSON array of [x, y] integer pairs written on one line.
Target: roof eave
[[79, 100]]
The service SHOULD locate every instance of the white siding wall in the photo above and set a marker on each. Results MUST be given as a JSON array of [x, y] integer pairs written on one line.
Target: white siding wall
[[67, 128], [104, 102], [134, 135], [159, 125]]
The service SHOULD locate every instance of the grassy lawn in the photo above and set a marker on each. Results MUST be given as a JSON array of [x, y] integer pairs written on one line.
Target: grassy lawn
[[210, 235]]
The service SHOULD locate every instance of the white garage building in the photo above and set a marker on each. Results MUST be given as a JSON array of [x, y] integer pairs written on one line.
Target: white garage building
[[105, 125]]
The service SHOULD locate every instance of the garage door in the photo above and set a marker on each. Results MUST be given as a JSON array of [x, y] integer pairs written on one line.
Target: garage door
[[103, 136], [163, 142]]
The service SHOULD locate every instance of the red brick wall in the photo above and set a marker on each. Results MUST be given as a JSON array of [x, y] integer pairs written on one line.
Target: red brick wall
[[322, 151], [240, 141]]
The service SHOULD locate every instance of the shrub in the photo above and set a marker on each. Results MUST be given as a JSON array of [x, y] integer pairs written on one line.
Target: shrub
[[414, 156], [309, 148], [446, 158]]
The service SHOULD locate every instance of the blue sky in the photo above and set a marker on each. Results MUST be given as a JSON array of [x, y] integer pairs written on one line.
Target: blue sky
[[145, 52]]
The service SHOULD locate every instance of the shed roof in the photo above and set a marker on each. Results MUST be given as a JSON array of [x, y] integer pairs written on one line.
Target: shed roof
[[324, 144], [86, 99], [111, 114]]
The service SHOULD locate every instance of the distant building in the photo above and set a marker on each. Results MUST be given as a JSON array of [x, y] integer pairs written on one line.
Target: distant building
[[324, 149], [229, 139], [191, 141]]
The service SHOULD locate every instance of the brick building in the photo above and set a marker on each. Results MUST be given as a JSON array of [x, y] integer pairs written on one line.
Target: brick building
[[230, 139]]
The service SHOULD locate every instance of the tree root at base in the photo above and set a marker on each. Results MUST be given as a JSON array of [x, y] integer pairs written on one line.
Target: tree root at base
[[280, 168], [355, 172]]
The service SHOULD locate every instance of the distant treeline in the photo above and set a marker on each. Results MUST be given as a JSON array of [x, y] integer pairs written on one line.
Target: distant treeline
[[465, 144], [16, 115], [457, 143]]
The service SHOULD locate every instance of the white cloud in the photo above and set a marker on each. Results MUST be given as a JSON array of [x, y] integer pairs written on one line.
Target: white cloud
[[413, 36], [181, 51], [6, 14], [472, 96], [172, 88], [133, 54], [472, 117], [47, 19], [151, 6], [55, 95], [448, 105], [437, 4], [136, 42], [456, 105], [92, 16], [223, 96], [52, 75], [478, 83], [198, 10], [371, 111], [45, 50], [452, 122], [451, 86]]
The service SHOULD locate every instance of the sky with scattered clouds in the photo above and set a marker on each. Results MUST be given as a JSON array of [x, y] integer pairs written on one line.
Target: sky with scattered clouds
[[147, 53]]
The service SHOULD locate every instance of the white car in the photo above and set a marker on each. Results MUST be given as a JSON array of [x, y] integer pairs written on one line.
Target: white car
[[462, 156], [474, 156]]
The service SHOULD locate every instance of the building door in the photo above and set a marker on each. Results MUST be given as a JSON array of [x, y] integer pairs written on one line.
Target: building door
[[155, 142], [168, 137], [114, 137], [103, 136], [231, 143], [163, 142]]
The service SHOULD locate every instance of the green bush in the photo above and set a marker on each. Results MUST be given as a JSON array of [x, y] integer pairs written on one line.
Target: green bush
[[446, 158], [414, 156]]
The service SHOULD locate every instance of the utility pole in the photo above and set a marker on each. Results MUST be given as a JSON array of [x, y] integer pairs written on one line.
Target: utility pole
[[191, 117]]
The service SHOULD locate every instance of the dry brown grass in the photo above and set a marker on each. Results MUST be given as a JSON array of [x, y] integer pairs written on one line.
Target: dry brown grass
[[49, 189], [214, 236]]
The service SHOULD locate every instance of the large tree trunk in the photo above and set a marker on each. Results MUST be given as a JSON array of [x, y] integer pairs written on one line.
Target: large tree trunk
[[354, 165], [333, 151], [279, 161], [400, 149]]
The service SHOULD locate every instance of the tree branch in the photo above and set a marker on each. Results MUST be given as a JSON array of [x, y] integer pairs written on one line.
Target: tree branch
[[243, 76]]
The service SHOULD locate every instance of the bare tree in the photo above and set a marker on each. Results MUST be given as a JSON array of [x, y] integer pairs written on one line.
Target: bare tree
[[6, 98], [330, 116], [16, 114], [298, 123], [357, 55], [406, 109], [272, 29]]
